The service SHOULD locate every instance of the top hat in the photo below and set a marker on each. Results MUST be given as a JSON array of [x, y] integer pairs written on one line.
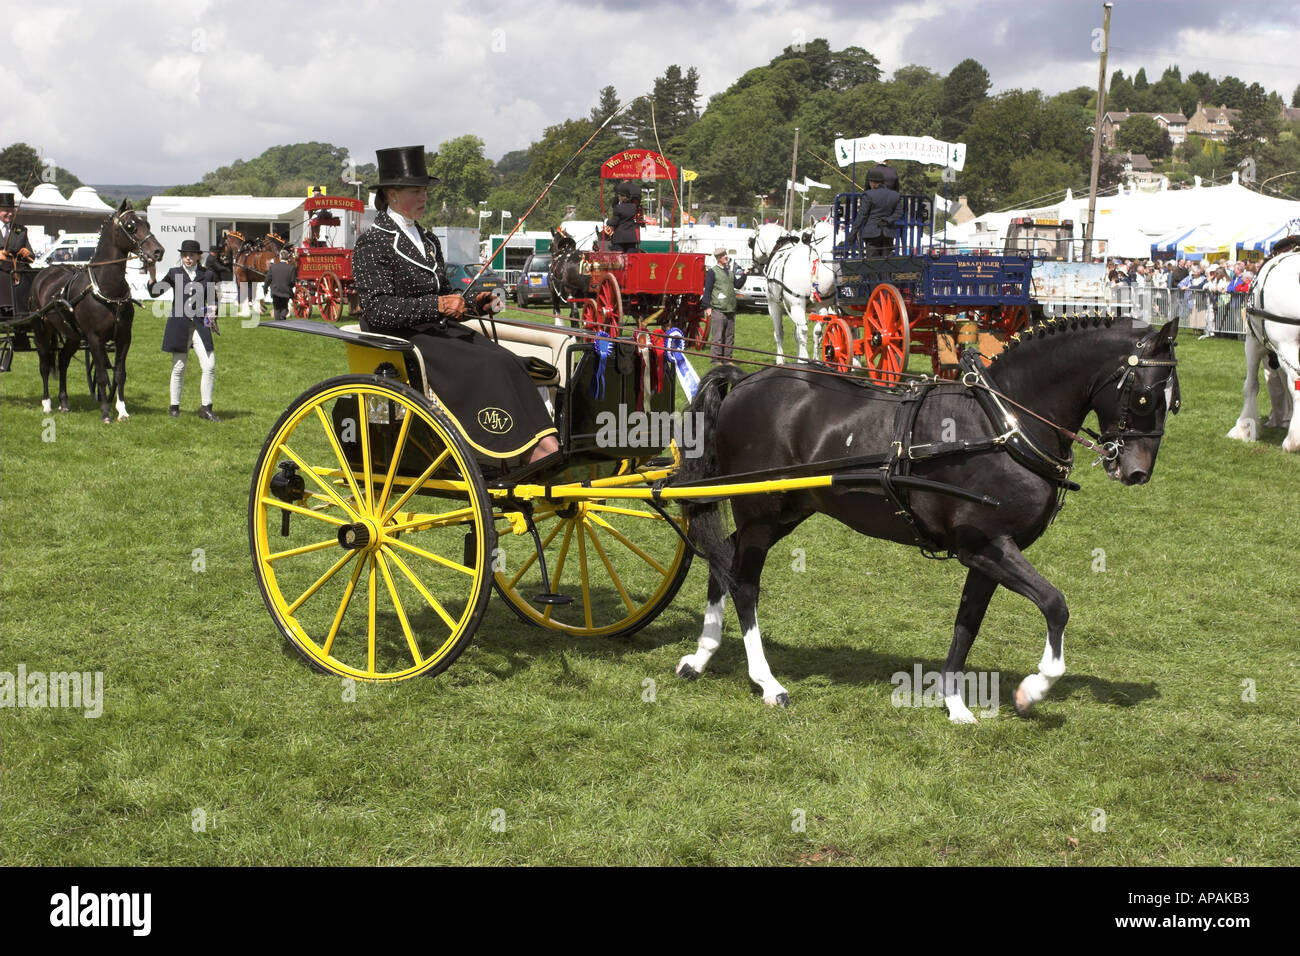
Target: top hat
[[6, 200], [402, 166], [191, 245]]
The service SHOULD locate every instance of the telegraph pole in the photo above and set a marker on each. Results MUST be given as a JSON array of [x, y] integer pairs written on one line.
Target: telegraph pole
[[789, 193], [1096, 136]]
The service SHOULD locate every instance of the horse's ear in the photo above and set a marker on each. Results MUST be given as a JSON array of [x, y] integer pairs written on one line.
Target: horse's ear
[[1168, 334], [126, 205]]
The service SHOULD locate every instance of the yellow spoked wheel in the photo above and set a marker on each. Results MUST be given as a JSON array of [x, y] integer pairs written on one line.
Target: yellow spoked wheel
[[371, 531], [619, 560]]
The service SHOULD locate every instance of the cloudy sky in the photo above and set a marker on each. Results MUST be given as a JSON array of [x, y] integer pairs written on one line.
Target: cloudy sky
[[162, 91]]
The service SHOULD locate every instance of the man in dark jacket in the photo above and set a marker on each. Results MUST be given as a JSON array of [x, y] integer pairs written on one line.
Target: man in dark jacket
[[191, 324], [16, 256], [281, 276], [876, 214], [621, 227], [402, 283]]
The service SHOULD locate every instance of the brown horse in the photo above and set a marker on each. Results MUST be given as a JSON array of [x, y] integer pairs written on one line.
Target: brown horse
[[251, 261], [93, 303]]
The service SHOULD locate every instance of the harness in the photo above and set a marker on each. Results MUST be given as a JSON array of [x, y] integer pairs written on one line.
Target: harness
[[1257, 315], [61, 299]]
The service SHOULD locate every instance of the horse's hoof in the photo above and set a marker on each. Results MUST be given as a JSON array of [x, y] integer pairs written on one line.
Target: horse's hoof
[[780, 700], [1023, 703], [1244, 430], [106, 420], [686, 672]]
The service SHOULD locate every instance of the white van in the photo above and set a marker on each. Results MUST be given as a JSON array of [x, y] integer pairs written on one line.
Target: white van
[[69, 247]]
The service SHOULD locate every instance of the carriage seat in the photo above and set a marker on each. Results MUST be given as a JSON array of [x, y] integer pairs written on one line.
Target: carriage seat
[[530, 342]]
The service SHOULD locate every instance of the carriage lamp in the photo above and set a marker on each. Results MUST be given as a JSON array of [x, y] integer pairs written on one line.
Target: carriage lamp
[[288, 486]]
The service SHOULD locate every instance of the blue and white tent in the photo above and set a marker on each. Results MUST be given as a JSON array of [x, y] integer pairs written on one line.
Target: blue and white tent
[[1262, 240], [1170, 241]]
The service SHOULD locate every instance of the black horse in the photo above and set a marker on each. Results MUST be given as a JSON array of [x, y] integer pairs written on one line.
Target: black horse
[[982, 434], [94, 304], [567, 281]]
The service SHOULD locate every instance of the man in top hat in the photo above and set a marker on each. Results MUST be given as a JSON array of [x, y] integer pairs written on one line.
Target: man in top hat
[[402, 283], [876, 214], [16, 255], [190, 325], [621, 227]]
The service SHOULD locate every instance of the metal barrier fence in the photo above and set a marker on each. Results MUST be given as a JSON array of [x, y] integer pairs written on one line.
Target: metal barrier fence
[[1210, 313], [510, 278]]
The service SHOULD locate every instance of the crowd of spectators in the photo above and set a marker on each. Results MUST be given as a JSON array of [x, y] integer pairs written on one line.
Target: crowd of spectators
[[1215, 289]]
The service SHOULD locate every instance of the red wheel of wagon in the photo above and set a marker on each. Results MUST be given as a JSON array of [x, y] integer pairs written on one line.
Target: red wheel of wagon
[[331, 297], [837, 344], [604, 311], [302, 297], [885, 344]]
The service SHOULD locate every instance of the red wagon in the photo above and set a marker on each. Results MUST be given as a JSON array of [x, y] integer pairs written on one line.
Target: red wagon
[[663, 288], [325, 272]]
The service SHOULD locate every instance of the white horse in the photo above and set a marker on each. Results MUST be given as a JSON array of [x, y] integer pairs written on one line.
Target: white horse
[[796, 270], [1273, 320]]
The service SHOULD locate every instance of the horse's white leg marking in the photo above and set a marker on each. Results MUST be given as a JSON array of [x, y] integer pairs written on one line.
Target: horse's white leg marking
[[759, 672], [1247, 426], [958, 712], [1035, 687], [1292, 440], [46, 406], [800, 317], [710, 638], [774, 306], [121, 411]]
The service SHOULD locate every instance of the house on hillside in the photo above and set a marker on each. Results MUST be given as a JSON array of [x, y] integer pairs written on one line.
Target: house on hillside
[[1290, 114], [1175, 124], [1212, 122], [1139, 172]]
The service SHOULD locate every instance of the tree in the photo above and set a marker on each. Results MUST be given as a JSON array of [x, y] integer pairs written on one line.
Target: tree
[[1120, 95], [608, 105], [1230, 92], [22, 165], [1258, 123], [465, 177], [1295, 97], [963, 89], [852, 67], [1142, 134], [1140, 79]]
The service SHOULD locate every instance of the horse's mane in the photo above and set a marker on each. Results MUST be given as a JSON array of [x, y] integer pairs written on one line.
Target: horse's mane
[[1288, 244], [1042, 329]]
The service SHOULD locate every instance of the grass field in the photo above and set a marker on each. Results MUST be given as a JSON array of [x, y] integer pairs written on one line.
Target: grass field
[[217, 745]]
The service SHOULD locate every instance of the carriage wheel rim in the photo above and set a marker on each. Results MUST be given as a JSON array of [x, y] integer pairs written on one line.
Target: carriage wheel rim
[[886, 339], [329, 597], [837, 344], [331, 296]]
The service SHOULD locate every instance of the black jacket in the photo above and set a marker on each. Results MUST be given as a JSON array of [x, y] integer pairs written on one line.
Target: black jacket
[[280, 279], [623, 222], [188, 301], [398, 284], [876, 214], [14, 244]]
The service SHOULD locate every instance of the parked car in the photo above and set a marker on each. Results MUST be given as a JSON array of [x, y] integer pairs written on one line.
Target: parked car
[[465, 278], [535, 281], [752, 293], [69, 247]]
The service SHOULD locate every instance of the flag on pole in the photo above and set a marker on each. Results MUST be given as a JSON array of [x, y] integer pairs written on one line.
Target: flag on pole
[[797, 187], [689, 175], [812, 183], [943, 205]]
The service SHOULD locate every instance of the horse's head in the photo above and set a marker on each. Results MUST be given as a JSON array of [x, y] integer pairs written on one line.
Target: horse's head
[[1133, 401], [561, 241], [234, 241], [131, 233]]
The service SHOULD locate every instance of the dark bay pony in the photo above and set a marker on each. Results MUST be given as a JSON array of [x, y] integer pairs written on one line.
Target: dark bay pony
[[978, 434], [251, 260], [93, 303], [567, 281]]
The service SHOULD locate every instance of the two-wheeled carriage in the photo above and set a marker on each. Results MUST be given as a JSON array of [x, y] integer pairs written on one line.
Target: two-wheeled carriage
[[325, 272], [920, 299]]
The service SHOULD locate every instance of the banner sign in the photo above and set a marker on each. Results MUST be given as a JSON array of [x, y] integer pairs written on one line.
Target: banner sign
[[917, 149], [637, 164]]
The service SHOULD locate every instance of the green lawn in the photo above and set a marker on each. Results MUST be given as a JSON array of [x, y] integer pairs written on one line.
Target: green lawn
[[538, 748]]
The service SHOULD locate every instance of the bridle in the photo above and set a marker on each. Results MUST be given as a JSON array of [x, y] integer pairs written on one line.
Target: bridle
[[1136, 399]]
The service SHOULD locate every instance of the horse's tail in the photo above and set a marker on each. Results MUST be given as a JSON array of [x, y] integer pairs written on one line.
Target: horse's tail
[[705, 528]]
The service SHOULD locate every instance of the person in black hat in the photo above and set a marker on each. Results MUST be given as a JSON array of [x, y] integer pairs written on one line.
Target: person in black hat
[[876, 214], [621, 227], [191, 324], [16, 255], [402, 283]]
